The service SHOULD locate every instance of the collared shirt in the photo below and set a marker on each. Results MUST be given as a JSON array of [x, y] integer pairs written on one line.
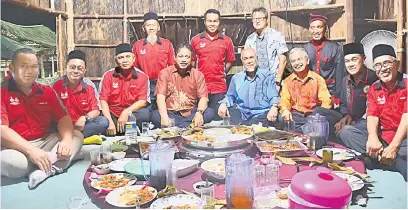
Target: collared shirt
[[211, 56], [79, 101], [327, 60], [253, 97], [353, 100], [151, 59], [304, 95], [275, 46], [182, 92], [30, 115], [121, 92], [388, 106]]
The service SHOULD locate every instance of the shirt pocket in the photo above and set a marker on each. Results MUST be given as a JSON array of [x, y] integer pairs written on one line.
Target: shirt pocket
[[327, 63]]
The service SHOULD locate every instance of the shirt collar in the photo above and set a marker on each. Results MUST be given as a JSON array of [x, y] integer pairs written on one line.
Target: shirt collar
[[158, 41], [264, 32], [364, 76], [309, 75], [204, 35], [118, 71], [257, 74], [188, 73], [400, 82], [319, 43], [12, 86], [66, 82]]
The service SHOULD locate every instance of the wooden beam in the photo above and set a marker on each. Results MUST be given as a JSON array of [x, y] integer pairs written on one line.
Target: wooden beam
[[60, 50], [125, 22], [37, 8], [349, 10], [70, 26], [97, 16], [98, 45], [400, 33], [307, 8]]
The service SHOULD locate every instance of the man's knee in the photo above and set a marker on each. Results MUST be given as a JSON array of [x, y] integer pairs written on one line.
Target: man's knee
[[209, 114], [14, 164], [103, 121], [155, 118], [142, 115]]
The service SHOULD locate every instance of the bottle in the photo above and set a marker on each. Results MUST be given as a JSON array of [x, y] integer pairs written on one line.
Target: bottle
[[131, 129]]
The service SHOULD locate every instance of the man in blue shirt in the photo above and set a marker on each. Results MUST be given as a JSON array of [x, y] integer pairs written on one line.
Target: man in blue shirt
[[252, 95]]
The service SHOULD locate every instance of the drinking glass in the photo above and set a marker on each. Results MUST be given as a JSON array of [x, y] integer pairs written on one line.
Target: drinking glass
[[145, 128], [95, 156], [327, 154], [289, 126], [226, 120], [208, 196], [272, 175], [266, 159], [172, 122]]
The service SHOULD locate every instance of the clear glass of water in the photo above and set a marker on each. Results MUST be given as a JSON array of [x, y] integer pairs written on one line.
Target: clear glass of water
[[145, 129], [208, 196], [272, 175], [226, 120]]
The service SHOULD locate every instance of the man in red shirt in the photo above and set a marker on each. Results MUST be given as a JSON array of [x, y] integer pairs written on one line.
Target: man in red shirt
[[27, 112], [124, 90], [182, 93], [79, 97], [214, 54], [152, 53]]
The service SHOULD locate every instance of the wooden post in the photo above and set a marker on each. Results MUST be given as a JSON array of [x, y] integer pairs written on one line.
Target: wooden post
[[349, 10], [125, 22], [59, 47], [70, 26], [400, 33], [406, 40]]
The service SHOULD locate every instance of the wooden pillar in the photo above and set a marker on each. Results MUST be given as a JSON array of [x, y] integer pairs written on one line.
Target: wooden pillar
[[125, 22], [349, 10], [70, 26], [60, 47], [400, 33]]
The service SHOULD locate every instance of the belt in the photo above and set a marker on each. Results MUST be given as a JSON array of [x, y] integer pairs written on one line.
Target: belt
[[330, 81]]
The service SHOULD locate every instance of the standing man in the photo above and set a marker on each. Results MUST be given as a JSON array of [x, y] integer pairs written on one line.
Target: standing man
[[353, 98], [326, 57], [269, 44], [182, 93], [214, 54], [79, 97], [124, 90], [27, 112], [253, 92], [152, 53]]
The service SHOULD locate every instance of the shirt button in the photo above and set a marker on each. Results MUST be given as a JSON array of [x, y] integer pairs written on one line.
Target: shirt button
[[318, 52], [318, 61]]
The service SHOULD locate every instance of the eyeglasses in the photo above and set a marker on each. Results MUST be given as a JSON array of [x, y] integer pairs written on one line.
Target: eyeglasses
[[258, 19], [385, 64]]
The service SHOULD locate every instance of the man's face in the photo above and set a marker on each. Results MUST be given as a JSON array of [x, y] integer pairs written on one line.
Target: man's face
[[386, 68], [151, 27], [249, 60], [183, 58], [75, 69], [212, 22], [25, 69], [354, 63], [259, 21], [298, 61], [125, 60], [317, 29]]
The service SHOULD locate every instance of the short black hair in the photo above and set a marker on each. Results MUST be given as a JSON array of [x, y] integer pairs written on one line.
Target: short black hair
[[14, 57], [262, 10], [184, 45], [212, 11]]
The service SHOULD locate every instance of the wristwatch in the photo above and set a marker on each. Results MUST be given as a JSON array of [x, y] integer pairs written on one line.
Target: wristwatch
[[200, 111]]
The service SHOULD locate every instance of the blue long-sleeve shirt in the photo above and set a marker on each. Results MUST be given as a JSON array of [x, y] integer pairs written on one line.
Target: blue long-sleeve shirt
[[253, 97]]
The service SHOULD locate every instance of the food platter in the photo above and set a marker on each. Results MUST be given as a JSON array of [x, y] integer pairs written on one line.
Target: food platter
[[274, 134], [125, 197], [340, 154], [167, 133], [112, 181], [218, 137], [354, 182], [285, 148], [179, 201]]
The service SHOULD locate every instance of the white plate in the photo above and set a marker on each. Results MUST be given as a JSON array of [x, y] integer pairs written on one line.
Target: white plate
[[185, 167], [118, 165], [271, 201], [339, 154], [118, 175], [178, 200], [354, 182], [217, 173], [113, 197]]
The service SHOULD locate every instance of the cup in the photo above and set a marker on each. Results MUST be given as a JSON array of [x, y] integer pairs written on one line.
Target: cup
[[289, 126], [172, 122], [226, 120], [95, 156], [266, 159], [327, 154], [145, 128], [208, 196]]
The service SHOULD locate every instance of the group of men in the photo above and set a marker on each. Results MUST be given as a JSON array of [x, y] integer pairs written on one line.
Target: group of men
[[157, 83]]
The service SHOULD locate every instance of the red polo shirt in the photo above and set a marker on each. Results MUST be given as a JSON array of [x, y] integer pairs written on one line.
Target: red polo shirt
[[30, 116], [388, 106], [153, 58], [120, 92], [212, 56], [79, 101]]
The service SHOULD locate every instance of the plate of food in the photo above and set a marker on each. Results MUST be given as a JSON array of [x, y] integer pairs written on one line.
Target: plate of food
[[112, 181], [242, 129], [275, 199], [340, 154], [283, 148], [166, 133], [215, 167], [354, 182], [179, 201], [125, 197], [119, 165]]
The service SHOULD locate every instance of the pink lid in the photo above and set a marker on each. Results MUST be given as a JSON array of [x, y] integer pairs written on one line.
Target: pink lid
[[321, 187]]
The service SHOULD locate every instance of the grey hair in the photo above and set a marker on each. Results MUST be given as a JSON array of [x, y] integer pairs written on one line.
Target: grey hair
[[262, 10], [298, 49]]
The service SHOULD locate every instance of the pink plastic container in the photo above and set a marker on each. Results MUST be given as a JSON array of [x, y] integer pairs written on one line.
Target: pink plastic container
[[320, 189]]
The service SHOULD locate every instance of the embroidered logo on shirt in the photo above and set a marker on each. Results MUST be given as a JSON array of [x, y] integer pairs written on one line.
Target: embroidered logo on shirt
[[115, 85], [381, 100], [43, 103], [14, 101], [84, 102], [202, 44], [142, 52], [133, 86], [64, 95], [365, 89], [403, 98]]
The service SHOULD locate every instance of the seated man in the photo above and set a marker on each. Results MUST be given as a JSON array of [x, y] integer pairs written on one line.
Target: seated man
[[386, 141], [302, 91], [79, 97], [178, 90], [27, 109], [353, 98], [124, 90], [254, 93]]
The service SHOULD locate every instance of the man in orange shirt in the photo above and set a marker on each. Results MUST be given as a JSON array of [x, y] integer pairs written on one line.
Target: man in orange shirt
[[302, 91]]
